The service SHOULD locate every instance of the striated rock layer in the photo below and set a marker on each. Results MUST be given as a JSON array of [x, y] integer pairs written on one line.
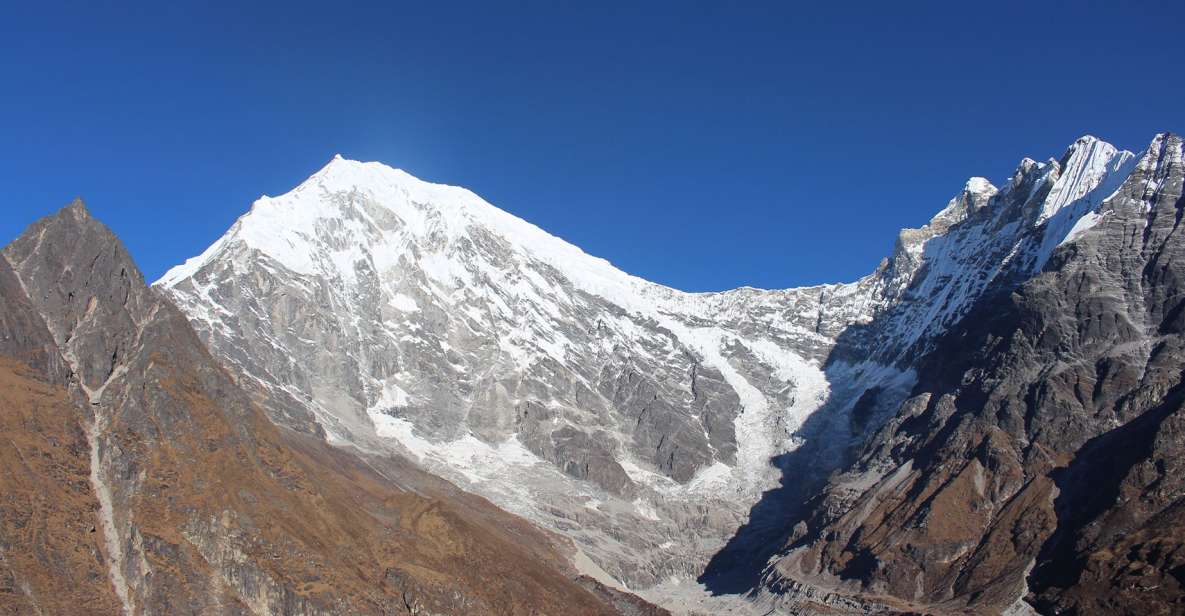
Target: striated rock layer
[[139, 478]]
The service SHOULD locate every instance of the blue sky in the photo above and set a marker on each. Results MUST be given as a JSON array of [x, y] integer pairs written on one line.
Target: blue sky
[[699, 145]]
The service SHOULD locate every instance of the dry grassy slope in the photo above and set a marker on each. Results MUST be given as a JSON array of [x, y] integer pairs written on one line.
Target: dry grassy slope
[[216, 509], [51, 558], [50, 555]]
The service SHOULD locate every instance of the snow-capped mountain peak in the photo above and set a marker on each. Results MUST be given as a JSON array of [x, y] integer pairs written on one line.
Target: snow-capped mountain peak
[[399, 315], [351, 210]]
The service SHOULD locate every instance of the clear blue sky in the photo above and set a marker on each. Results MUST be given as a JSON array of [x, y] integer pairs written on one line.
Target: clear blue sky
[[696, 145]]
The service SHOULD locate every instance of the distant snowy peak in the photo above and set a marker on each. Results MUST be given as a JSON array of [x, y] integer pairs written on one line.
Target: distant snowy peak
[[979, 185], [1089, 167], [988, 237], [975, 195], [352, 210], [367, 202], [351, 215]]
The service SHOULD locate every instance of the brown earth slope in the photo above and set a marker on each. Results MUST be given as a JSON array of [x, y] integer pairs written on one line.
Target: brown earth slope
[[51, 558], [187, 500]]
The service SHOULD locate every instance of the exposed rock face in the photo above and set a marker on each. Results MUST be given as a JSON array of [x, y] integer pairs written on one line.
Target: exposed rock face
[[667, 432], [51, 558], [1043, 441], [140, 478]]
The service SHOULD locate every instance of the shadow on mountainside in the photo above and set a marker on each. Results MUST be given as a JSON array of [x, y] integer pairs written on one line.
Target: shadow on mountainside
[[833, 437], [737, 568], [1092, 484], [834, 434]]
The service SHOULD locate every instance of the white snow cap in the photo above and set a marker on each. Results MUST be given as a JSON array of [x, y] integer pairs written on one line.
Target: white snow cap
[[979, 185]]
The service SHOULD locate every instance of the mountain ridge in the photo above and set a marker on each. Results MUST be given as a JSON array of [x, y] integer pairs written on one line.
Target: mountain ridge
[[641, 421], [959, 500]]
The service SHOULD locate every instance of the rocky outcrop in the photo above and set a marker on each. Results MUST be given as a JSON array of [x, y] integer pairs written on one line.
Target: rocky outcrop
[[51, 557], [1035, 458], [142, 479]]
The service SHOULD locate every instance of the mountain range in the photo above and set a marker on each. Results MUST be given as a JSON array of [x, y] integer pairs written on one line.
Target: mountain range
[[376, 394]]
